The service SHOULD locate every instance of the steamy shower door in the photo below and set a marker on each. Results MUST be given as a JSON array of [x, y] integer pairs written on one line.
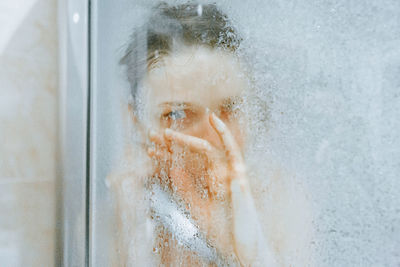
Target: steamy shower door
[[241, 133]]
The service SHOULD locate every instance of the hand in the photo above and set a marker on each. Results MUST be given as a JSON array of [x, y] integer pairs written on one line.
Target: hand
[[179, 155], [201, 175]]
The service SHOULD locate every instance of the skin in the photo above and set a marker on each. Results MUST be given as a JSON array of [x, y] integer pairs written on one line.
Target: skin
[[192, 100]]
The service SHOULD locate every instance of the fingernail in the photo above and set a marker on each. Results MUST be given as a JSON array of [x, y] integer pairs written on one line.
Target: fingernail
[[168, 132], [217, 122], [152, 133], [212, 116]]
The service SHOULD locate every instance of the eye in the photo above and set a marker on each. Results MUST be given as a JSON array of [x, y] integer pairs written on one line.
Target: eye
[[231, 105], [175, 115], [230, 108], [179, 117]]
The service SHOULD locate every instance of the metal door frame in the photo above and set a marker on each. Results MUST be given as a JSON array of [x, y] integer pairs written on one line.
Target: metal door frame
[[73, 189]]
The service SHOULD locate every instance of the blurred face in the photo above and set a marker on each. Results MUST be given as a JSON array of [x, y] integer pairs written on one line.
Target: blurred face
[[180, 93], [185, 86]]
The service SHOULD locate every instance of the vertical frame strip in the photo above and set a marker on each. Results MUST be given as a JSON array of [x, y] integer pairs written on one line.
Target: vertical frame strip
[[74, 132]]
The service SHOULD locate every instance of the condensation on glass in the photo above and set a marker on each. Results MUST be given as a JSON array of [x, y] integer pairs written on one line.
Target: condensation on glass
[[239, 133]]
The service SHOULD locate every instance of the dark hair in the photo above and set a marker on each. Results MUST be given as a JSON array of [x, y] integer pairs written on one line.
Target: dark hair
[[188, 24]]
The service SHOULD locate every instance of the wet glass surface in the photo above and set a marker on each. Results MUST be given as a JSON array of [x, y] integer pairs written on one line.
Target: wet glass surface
[[245, 134]]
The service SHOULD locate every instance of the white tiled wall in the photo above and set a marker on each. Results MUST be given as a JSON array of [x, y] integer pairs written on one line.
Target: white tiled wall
[[28, 114]]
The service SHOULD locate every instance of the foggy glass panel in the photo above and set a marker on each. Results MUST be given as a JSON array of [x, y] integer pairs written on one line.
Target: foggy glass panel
[[245, 133]]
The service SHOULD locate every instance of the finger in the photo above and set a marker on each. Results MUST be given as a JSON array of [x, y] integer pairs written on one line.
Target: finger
[[231, 147], [157, 154], [156, 138], [193, 143]]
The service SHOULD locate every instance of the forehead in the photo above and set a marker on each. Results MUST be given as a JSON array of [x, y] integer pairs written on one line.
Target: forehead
[[195, 75]]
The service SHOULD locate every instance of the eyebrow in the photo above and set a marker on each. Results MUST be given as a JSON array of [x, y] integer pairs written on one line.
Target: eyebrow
[[227, 100], [175, 104]]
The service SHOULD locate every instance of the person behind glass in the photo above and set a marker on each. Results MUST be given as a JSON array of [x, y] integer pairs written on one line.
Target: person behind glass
[[188, 85]]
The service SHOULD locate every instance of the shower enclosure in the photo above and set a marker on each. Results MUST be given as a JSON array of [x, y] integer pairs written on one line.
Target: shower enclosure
[[318, 134]]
